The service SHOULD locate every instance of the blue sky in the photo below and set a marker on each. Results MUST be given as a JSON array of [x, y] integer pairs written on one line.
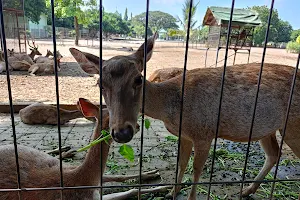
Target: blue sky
[[288, 9]]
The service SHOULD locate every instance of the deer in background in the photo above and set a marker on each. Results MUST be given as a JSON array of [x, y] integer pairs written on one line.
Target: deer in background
[[28, 57], [39, 169], [40, 113], [122, 91], [45, 58], [164, 74]]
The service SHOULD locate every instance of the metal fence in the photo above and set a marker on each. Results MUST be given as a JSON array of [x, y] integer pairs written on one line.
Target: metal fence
[[210, 183]]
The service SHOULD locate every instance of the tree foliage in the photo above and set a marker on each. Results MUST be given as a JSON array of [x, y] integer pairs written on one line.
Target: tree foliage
[[126, 15], [295, 34], [185, 15], [33, 8], [157, 20], [280, 30]]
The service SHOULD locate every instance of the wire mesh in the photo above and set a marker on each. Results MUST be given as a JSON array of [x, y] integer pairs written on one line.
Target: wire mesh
[[140, 184]]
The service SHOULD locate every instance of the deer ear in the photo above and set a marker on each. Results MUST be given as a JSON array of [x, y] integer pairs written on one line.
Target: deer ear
[[88, 62], [87, 108], [139, 54]]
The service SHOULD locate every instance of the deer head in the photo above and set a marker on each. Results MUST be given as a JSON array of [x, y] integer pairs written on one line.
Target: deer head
[[49, 53], [34, 48], [122, 89]]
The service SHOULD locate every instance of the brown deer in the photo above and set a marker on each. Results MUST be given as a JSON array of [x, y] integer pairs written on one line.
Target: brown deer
[[45, 58], [122, 90], [164, 74], [28, 57], [40, 113], [39, 169], [46, 67]]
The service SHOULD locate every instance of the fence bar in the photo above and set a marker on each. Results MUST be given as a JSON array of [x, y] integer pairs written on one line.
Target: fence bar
[[3, 42], [100, 87], [57, 97], [221, 98], [285, 124], [256, 96], [143, 100], [148, 185], [182, 91]]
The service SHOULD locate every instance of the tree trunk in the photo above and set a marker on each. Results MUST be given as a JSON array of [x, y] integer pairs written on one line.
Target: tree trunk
[[76, 30]]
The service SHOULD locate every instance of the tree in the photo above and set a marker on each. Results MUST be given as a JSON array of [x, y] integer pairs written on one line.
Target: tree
[[68, 8], [113, 24], [125, 15], [185, 15], [33, 8], [280, 30], [157, 20], [295, 34]]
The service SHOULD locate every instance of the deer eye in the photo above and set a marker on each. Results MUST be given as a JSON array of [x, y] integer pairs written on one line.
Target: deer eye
[[138, 81]]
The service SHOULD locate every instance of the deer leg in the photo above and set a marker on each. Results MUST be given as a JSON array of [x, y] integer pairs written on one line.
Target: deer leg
[[271, 149], [32, 70], [201, 149], [185, 153], [133, 192], [119, 178]]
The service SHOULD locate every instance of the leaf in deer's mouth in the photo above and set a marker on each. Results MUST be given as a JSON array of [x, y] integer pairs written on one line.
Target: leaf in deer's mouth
[[127, 152]]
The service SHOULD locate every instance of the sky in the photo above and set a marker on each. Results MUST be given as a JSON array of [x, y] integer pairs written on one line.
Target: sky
[[287, 9]]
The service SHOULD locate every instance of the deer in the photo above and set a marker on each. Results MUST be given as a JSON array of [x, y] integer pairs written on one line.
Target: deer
[[28, 57], [46, 67], [164, 74], [122, 83], [39, 169], [45, 58], [40, 113]]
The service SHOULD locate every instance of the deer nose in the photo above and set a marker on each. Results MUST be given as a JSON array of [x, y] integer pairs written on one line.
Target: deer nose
[[123, 135]]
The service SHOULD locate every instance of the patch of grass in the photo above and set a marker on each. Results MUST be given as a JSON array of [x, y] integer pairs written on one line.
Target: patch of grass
[[113, 166]]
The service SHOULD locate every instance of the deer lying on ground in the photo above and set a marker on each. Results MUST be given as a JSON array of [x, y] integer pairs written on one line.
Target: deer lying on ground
[[161, 75], [40, 113], [28, 57], [46, 67], [38, 169], [45, 58], [122, 90]]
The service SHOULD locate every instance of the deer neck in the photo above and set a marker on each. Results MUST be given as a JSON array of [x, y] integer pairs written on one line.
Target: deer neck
[[89, 172], [158, 99], [69, 115], [31, 55]]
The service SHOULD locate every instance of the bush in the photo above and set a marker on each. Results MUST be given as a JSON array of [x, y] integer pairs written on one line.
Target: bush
[[293, 47]]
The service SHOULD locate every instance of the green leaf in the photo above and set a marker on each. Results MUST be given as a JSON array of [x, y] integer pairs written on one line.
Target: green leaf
[[172, 138], [127, 152], [147, 124]]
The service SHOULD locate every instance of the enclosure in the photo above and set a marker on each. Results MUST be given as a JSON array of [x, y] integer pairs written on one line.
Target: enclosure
[[230, 165]]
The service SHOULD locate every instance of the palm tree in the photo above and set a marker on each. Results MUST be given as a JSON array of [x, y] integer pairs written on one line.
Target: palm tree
[[185, 12]]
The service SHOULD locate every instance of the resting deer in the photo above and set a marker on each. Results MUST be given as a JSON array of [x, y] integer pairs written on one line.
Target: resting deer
[[40, 113], [46, 67], [122, 90], [39, 169], [28, 57], [161, 75], [45, 58]]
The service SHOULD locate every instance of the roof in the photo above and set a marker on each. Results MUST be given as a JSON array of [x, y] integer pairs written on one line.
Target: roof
[[221, 15]]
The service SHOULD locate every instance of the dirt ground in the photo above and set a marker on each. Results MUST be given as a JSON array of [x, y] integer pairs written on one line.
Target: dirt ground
[[74, 83]]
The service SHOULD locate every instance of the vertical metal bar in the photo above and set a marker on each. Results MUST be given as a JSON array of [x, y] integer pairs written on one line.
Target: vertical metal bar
[[18, 32], [218, 47], [249, 51], [234, 57], [256, 96], [143, 100], [3, 41], [182, 90], [221, 97], [100, 84], [57, 96], [206, 56], [285, 124]]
